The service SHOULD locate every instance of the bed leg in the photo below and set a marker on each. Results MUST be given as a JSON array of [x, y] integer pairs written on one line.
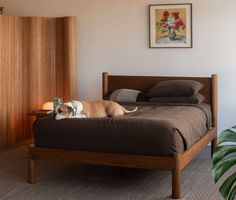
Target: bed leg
[[213, 146], [32, 170], [176, 174]]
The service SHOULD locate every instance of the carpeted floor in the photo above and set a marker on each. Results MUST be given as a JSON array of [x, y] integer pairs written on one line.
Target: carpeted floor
[[58, 180]]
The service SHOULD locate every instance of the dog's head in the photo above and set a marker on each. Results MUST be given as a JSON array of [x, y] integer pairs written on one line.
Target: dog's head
[[68, 110]]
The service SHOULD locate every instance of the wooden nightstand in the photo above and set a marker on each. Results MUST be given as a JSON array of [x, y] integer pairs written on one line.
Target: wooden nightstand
[[41, 113]]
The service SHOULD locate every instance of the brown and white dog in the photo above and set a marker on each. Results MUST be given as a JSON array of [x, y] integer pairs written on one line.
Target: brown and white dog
[[86, 109]]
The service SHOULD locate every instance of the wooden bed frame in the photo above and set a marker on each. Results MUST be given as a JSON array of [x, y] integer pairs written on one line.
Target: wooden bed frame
[[174, 163]]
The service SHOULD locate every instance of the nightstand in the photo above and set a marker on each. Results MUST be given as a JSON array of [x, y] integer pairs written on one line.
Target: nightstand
[[41, 113]]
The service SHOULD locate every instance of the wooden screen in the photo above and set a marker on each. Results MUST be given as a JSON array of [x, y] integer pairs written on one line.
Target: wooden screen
[[37, 64]]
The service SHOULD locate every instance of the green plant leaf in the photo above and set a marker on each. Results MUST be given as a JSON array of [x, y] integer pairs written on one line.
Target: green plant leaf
[[234, 127], [164, 31], [222, 166], [227, 135], [222, 151], [227, 185], [232, 193], [159, 26], [223, 159]]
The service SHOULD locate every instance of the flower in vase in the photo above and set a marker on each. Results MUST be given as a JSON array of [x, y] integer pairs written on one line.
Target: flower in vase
[[170, 23]]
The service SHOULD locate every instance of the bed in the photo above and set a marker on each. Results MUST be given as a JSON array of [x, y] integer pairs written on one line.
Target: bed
[[156, 137]]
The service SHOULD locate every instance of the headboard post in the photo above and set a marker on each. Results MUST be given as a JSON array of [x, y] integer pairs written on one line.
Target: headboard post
[[104, 84], [214, 83], [1, 10]]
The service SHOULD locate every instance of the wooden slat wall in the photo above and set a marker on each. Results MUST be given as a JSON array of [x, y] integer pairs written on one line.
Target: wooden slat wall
[[37, 63]]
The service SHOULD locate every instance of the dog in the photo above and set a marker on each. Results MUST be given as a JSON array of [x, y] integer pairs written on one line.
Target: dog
[[86, 109]]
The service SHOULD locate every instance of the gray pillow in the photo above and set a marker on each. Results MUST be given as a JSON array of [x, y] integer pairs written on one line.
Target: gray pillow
[[127, 95], [175, 88], [195, 99]]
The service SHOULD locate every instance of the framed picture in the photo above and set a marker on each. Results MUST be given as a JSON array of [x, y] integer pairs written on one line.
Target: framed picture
[[170, 25]]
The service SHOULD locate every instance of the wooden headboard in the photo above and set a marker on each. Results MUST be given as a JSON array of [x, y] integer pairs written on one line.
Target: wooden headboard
[[144, 83]]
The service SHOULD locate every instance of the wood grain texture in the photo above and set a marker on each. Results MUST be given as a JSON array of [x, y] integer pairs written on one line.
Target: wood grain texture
[[176, 178], [104, 84], [98, 158], [214, 80], [37, 64]]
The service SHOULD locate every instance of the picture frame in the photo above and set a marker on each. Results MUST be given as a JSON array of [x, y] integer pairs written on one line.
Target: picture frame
[[170, 26]]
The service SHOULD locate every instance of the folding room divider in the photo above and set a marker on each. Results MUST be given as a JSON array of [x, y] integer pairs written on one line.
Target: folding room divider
[[37, 63]]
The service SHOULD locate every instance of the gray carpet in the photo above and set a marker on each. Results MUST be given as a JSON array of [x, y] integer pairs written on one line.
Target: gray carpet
[[58, 180]]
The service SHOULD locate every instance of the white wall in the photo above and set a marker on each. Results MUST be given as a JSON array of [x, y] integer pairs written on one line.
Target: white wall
[[113, 37]]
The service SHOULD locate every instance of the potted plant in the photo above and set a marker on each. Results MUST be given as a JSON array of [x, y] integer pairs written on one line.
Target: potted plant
[[224, 158], [170, 24]]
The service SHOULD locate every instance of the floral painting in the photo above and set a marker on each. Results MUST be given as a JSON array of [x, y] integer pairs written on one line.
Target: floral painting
[[170, 25]]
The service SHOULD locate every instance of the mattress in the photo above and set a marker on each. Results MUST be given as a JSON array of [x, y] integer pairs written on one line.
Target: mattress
[[155, 129]]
